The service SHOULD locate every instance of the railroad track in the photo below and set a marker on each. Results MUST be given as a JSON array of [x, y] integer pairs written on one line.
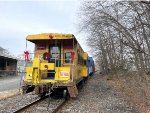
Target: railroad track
[[56, 109], [27, 106]]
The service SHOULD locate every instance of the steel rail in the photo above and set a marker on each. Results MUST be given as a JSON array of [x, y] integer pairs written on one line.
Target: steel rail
[[56, 110], [60, 106], [27, 106]]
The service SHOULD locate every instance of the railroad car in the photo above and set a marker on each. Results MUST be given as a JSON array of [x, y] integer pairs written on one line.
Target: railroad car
[[59, 63]]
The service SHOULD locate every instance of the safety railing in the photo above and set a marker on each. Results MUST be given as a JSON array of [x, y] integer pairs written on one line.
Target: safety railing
[[58, 62]]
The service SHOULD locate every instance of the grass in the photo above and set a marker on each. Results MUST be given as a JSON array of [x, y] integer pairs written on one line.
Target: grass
[[8, 94], [135, 88]]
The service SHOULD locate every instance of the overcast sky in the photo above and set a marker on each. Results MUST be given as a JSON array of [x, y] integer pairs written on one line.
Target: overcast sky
[[19, 19]]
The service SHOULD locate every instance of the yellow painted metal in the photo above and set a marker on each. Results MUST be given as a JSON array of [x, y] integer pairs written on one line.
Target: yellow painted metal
[[85, 56], [29, 71], [36, 76], [84, 71], [33, 73], [59, 75], [46, 36], [63, 73], [36, 63]]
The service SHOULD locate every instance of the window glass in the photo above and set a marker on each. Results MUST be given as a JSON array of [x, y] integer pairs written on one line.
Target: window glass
[[55, 52], [85, 62], [80, 60], [68, 57]]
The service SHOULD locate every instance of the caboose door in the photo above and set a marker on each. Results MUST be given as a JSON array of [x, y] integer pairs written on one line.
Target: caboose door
[[55, 54]]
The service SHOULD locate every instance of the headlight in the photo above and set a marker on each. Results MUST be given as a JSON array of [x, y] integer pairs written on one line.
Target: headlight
[[30, 75]]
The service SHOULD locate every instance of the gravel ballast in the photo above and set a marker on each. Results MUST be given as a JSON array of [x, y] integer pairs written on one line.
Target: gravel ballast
[[98, 97], [12, 104]]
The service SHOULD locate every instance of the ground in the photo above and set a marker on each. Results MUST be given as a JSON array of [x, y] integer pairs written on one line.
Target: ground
[[98, 96], [9, 83], [9, 86], [133, 88]]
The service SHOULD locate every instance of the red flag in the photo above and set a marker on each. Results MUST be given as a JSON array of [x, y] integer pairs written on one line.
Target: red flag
[[26, 55], [72, 55], [47, 56]]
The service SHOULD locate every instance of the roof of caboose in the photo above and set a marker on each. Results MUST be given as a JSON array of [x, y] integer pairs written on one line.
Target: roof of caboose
[[49, 36]]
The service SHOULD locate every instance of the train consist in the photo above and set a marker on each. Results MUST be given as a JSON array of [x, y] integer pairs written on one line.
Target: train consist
[[59, 63]]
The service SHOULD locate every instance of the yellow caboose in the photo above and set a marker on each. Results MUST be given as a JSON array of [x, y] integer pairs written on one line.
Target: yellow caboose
[[59, 62]]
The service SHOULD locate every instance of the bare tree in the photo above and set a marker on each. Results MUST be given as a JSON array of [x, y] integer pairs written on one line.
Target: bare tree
[[118, 33]]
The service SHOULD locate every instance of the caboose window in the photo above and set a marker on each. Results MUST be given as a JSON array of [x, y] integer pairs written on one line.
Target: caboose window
[[85, 62], [55, 52], [68, 57]]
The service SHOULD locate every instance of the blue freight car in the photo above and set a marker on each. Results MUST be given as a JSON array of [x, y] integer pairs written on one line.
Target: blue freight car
[[91, 67]]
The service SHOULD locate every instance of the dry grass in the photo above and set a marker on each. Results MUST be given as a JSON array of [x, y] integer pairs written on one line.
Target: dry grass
[[8, 94], [135, 88]]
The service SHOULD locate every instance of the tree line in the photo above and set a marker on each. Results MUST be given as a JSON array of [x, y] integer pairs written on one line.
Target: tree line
[[119, 34]]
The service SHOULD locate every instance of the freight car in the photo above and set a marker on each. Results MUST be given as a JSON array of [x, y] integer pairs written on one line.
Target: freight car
[[91, 66], [59, 63]]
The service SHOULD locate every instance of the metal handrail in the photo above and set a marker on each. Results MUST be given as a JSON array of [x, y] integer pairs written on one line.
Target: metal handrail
[[41, 56]]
